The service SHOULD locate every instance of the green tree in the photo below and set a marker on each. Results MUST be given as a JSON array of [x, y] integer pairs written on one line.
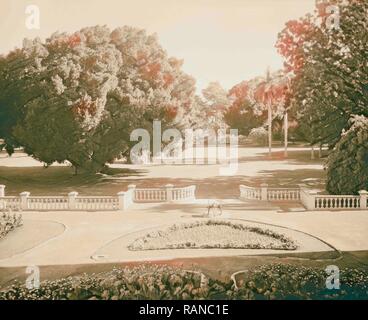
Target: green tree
[[243, 118], [77, 97], [347, 165], [329, 64], [242, 114]]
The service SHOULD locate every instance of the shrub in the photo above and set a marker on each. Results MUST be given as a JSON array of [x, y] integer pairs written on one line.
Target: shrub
[[258, 136], [282, 281], [347, 164], [143, 282], [8, 222], [273, 281]]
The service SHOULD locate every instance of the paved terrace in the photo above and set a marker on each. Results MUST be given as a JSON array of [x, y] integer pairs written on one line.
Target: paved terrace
[[59, 238]]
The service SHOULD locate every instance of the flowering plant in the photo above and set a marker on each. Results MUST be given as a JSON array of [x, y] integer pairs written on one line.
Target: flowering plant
[[8, 222], [213, 234], [146, 281]]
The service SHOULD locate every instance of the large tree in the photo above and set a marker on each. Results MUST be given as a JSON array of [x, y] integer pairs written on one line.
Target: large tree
[[242, 114], [252, 100], [347, 165], [77, 97], [216, 104], [329, 62], [327, 52]]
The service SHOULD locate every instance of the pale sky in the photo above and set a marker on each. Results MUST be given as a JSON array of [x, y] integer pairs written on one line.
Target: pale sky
[[220, 40]]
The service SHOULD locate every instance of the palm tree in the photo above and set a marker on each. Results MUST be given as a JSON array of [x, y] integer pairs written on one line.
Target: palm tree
[[272, 94]]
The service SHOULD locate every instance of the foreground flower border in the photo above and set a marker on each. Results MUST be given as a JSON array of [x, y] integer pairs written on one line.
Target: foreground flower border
[[266, 282]]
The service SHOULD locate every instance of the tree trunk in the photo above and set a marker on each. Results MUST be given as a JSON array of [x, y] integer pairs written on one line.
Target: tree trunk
[[312, 153], [269, 130], [286, 128]]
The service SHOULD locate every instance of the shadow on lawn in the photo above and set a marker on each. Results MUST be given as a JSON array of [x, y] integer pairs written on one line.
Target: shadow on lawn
[[60, 180], [198, 210], [298, 157], [292, 178], [228, 187]]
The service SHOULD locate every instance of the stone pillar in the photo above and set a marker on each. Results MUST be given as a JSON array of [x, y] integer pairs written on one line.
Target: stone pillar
[[169, 188], [363, 199], [264, 187], [72, 200], [24, 200], [122, 200], [193, 192], [131, 191], [2, 190], [307, 197], [311, 201]]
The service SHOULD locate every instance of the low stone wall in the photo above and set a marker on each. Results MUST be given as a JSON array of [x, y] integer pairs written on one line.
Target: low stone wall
[[73, 202], [310, 199]]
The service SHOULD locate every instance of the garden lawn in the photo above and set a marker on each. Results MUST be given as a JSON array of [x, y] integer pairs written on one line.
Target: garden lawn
[[21, 173]]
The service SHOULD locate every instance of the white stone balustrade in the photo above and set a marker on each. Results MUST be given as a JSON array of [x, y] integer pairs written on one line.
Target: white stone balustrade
[[167, 194], [310, 199], [283, 194], [328, 202], [250, 193], [74, 202]]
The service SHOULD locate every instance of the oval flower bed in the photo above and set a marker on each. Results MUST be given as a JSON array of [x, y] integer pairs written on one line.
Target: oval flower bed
[[213, 234]]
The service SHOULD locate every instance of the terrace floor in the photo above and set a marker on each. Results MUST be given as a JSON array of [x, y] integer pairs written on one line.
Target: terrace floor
[[101, 237]]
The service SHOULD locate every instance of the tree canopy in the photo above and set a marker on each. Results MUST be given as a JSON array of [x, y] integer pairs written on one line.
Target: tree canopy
[[347, 165], [329, 63], [77, 97]]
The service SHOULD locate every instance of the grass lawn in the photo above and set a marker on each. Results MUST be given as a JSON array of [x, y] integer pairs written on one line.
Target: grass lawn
[[255, 167], [59, 180]]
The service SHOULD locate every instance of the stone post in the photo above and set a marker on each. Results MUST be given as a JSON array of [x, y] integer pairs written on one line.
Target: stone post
[[193, 192], [307, 197], [264, 187], [24, 200], [311, 200], [122, 200], [2, 190], [131, 192], [72, 200], [363, 199], [169, 188]]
